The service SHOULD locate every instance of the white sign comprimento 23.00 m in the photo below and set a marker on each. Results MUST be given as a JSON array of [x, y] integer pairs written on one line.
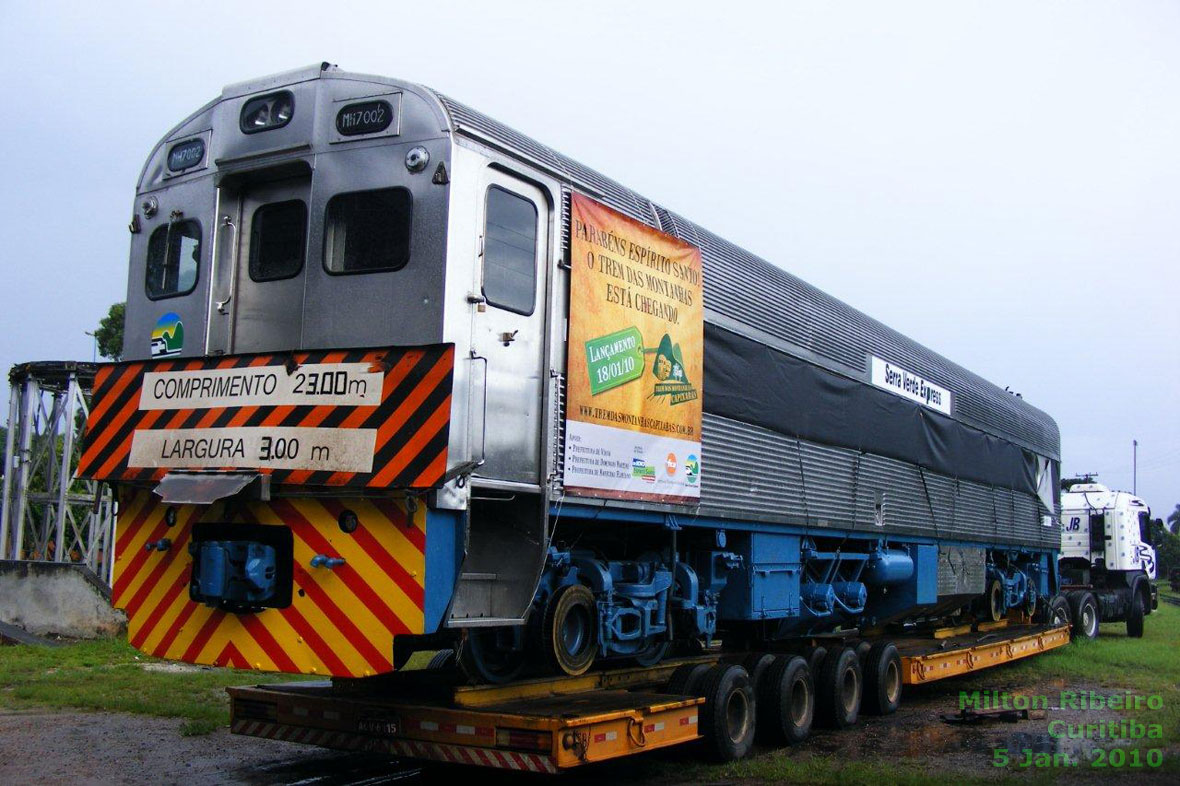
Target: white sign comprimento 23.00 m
[[898, 381], [275, 447]]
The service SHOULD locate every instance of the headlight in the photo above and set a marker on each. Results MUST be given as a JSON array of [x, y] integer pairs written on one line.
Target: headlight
[[267, 112]]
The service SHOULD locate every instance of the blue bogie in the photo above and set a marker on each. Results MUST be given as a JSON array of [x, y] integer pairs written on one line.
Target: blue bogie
[[783, 583]]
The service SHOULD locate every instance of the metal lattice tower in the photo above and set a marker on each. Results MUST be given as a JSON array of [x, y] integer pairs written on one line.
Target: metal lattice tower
[[47, 514]]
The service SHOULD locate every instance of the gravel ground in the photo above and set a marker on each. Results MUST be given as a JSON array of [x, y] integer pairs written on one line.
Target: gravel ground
[[103, 748]]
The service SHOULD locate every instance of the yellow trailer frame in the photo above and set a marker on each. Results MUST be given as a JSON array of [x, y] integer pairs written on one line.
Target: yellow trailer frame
[[965, 653], [552, 724]]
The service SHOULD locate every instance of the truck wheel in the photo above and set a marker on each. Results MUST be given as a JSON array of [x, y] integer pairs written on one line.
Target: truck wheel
[[839, 689], [1058, 611], [569, 632], [1135, 616], [1084, 615], [882, 672], [727, 716], [686, 678], [786, 702]]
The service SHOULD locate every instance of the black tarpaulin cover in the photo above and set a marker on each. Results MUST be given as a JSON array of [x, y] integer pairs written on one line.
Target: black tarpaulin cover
[[756, 384]]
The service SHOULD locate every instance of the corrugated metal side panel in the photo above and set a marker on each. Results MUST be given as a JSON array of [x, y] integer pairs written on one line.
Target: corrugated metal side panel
[[612, 193], [754, 473], [786, 307]]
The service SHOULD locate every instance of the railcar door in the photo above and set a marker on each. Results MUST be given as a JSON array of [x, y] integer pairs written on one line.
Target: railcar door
[[509, 328], [261, 259]]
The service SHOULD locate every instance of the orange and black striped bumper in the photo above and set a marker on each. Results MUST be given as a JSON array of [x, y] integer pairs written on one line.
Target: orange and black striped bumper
[[397, 439], [341, 622]]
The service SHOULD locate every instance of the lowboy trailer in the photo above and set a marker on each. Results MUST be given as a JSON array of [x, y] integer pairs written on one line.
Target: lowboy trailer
[[549, 725]]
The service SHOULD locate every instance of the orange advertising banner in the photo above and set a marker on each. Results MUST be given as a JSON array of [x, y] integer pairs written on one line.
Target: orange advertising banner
[[636, 359]]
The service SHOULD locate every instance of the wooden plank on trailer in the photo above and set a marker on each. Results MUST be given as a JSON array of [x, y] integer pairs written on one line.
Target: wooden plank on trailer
[[947, 633], [989, 626]]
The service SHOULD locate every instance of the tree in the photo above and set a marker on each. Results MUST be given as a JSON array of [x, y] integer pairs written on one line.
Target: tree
[[1167, 554], [1174, 520], [109, 333]]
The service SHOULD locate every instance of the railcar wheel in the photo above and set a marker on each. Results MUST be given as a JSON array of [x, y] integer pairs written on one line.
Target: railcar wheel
[[569, 633], [882, 673], [652, 653], [1058, 612], [727, 716], [491, 655], [686, 678], [785, 701], [995, 600], [1135, 615], [1084, 615], [839, 689]]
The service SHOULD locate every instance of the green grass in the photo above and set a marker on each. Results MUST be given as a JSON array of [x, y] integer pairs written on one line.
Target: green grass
[[108, 675], [1150, 665]]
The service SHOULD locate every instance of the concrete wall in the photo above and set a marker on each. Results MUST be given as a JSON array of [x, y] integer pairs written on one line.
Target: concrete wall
[[57, 599]]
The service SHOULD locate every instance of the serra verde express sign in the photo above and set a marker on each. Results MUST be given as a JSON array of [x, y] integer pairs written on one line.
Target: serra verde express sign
[[636, 346]]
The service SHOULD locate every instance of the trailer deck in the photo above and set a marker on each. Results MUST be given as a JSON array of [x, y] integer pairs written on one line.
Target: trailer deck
[[547, 725]]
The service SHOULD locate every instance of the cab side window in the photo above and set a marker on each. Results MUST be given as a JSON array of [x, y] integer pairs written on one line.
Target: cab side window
[[510, 251], [368, 231], [173, 257]]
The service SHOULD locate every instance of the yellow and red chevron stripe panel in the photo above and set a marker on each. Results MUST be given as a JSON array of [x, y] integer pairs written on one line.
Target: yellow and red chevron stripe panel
[[373, 418], [341, 621]]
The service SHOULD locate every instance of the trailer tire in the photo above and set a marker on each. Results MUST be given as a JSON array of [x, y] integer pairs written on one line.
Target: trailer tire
[[686, 678], [882, 672], [1058, 612], [785, 702], [569, 632], [727, 716], [756, 664], [1135, 615], [839, 689], [861, 648], [815, 659], [1084, 615]]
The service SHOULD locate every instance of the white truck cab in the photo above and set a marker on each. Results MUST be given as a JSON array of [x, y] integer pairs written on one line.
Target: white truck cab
[[1111, 527], [1107, 559]]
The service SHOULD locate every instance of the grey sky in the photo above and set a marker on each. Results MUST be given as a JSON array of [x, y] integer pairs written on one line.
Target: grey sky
[[1000, 181]]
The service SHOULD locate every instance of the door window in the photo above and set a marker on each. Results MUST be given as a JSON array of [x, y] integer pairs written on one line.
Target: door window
[[510, 251], [278, 240]]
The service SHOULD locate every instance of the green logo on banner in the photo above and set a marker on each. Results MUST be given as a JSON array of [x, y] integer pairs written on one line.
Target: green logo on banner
[[668, 368], [614, 359]]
